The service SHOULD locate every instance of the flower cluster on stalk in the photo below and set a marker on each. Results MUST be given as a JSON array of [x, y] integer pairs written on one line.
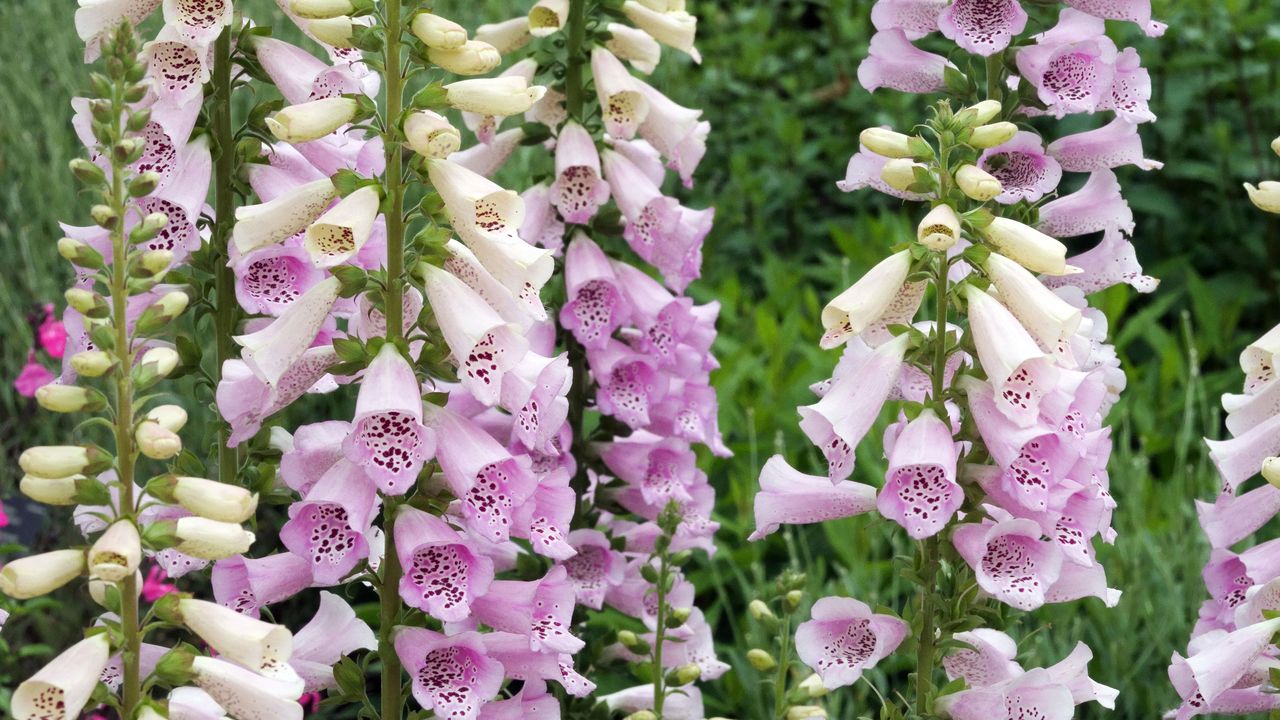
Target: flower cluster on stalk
[[997, 452], [1230, 666]]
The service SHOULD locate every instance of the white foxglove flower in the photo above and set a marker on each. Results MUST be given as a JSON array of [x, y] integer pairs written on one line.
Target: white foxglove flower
[[321, 9], [313, 120], [246, 695], [37, 575], [210, 539], [117, 553], [940, 229], [275, 348], [282, 218], [676, 29], [1048, 317], [1027, 246], [431, 135], [1266, 196], [507, 36], [59, 690], [340, 233], [260, 646], [55, 461], [499, 97], [473, 57], [1019, 370], [855, 309], [635, 46], [622, 103], [437, 32]]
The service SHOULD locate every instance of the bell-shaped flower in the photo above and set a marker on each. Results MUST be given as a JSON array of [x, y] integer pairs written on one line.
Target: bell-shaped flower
[[1220, 660], [1020, 371], [368, 321], [248, 584], [1010, 561], [686, 704], [1265, 195], [540, 609], [443, 572], [838, 422], [192, 703], [283, 217], [662, 469], [677, 132], [866, 301], [1113, 145], [674, 28], [1130, 89], [844, 638], [596, 306], [521, 663], [635, 46], [1049, 318], [916, 18], [531, 702], [333, 632], [463, 264], [328, 526], [507, 36], [867, 169], [622, 104], [1241, 457], [920, 491], [343, 230], [578, 191], [1134, 11], [594, 568], [629, 384], [1071, 65], [1258, 360], [269, 279], [486, 159], [179, 67], [1022, 167], [260, 646], [547, 17], [452, 676], [387, 437], [60, 689], [895, 63], [245, 694], [274, 349], [790, 497], [484, 346], [117, 553], [496, 97], [982, 27], [36, 575], [536, 393], [431, 135], [989, 659], [1111, 262], [245, 400], [1096, 207]]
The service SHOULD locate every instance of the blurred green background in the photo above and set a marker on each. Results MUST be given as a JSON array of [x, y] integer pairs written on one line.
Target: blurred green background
[[777, 85]]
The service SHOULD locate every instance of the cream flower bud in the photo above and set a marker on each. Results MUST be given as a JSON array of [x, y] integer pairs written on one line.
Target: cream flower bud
[[98, 587], [977, 183], [940, 229], [900, 173], [436, 32], [206, 498], [805, 712], [154, 262], [260, 646], [82, 301], [333, 31], [887, 143], [117, 553], [547, 17], [1275, 146], [210, 539], [472, 58], [507, 36], [37, 575], [55, 461], [1271, 471], [61, 688], [165, 359], [1266, 196], [812, 685], [759, 610], [162, 312], [1028, 247], [321, 9], [981, 113], [91, 363], [761, 660], [499, 96], [430, 135], [170, 417], [313, 120], [69, 398], [156, 441], [51, 491], [989, 136]]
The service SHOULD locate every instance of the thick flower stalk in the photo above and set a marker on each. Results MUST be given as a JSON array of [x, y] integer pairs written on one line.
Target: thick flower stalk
[[1229, 661], [641, 401], [978, 336], [121, 310]]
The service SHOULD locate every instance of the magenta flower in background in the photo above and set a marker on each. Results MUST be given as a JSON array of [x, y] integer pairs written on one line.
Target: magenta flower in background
[[32, 377]]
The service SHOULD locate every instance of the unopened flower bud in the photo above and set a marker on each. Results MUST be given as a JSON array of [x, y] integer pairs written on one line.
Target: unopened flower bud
[[499, 96], [642, 715], [69, 398], [98, 588], [321, 9], [138, 120], [91, 363], [174, 667], [978, 184], [154, 262], [1271, 471], [50, 491], [312, 120], [1275, 146], [144, 184], [210, 539], [103, 216], [980, 114], [887, 143], [206, 498], [156, 442], [436, 32], [813, 687], [150, 226], [333, 31], [56, 461], [1266, 195], [900, 173], [805, 712], [940, 229], [989, 136], [161, 360], [87, 172], [148, 712], [759, 610], [161, 312], [679, 615], [761, 660], [430, 135], [80, 254], [793, 599], [685, 674], [117, 553], [1027, 246], [128, 149], [87, 303], [472, 58], [37, 575]]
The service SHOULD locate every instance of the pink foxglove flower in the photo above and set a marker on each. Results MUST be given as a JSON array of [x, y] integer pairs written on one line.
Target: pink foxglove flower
[[387, 437], [1096, 207], [982, 27], [521, 663], [249, 695], [540, 609], [920, 490], [594, 568], [595, 307], [1020, 371], [897, 64], [845, 638], [328, 526], [991, 658], [1022, 167], [452, 676], [916, 18], [333, 632], [1010, 561], [443, 572], [33, 377], [1111, 146], [675, 131], [789, 497], [578, 191], [1134, 11]]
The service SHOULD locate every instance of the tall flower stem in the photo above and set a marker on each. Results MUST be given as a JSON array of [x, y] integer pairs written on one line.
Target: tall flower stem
[[131, 686], [659, 684], [784, 667], [393, 311], [577, 32], [224, 317], [575, 100]]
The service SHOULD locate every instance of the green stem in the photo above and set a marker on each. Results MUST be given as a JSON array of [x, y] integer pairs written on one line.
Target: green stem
[[131, 686], [224, 318], [995, 73], [784, 663], [659, 678], [575, 88], [393, 310]]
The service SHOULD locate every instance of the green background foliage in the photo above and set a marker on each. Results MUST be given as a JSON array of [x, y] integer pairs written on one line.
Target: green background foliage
[[778, 88]]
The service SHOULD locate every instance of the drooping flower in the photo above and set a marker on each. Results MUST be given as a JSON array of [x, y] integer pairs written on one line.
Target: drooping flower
[[897, 64], [452, 676], [982, 27], [844, 638], [789, 497]]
